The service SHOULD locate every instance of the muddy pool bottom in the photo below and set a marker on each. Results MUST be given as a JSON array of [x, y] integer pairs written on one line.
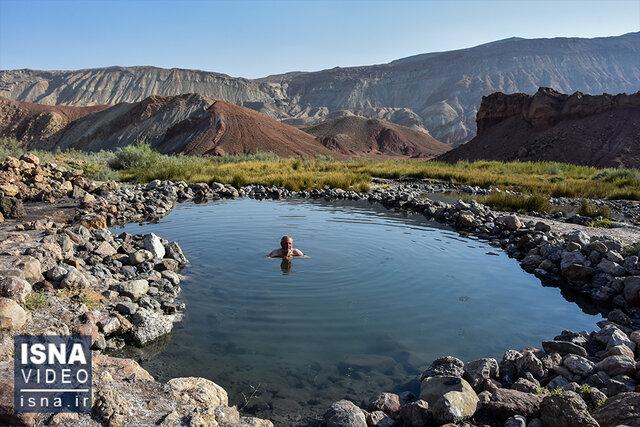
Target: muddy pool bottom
[[379, 297]]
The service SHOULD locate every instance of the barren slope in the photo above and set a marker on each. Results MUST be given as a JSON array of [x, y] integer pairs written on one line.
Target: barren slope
[[188, 124], [30, 122], [354, 135]]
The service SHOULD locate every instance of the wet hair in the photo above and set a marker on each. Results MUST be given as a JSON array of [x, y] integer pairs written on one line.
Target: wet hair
[[285, 237]]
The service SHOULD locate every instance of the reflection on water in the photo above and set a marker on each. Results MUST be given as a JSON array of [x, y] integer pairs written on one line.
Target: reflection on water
[[380, 296], [285, 265]]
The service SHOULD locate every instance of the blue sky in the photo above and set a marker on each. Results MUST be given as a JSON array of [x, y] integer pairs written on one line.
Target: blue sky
[[258, 38]]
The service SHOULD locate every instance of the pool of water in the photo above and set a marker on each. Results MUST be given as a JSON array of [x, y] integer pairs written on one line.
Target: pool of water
[[380, 295]]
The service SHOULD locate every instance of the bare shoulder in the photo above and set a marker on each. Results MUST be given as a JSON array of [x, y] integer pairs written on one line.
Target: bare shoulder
[[297, 252], [276, 253]]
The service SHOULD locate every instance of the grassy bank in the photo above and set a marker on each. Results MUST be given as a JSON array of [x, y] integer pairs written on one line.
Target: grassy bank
[[141, 164]]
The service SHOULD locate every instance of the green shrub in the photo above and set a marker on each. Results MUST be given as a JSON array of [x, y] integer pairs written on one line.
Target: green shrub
[[36, 301], [516, 202], [601, 223], [11, 147], [139, 155], [592, 211], [618, 176], [630, 250]]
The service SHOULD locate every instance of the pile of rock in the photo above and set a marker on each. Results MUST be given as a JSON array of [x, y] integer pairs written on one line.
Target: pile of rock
[[80, 278], [129, 283], [26, 179], [576, 379]]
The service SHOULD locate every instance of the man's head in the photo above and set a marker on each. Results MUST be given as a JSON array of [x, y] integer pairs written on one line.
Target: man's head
[[286, 243]]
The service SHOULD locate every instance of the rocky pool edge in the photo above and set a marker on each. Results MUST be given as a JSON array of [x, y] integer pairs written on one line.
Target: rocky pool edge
[[591, 378]]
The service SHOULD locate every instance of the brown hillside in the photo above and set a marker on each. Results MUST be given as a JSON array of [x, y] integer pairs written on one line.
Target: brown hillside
[[32, 122], [601, 130], [356, 135], [190, 124], [230, 129]]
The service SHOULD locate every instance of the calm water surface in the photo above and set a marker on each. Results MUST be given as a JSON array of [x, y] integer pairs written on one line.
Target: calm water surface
[[380, 296]]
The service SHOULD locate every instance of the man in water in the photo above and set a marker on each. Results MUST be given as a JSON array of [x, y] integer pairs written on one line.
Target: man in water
[[286, 250]]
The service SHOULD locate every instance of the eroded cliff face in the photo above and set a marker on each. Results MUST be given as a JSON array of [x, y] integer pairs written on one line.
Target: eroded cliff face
[[439, 92], [602, 130], [547, 107]]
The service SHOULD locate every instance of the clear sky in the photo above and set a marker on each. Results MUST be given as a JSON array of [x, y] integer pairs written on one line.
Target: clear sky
[[258, 38]]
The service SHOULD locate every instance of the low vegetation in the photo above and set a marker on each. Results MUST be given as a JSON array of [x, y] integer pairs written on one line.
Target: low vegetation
[[630, 250], [515, 202], [36, 301], [592, 211], [538, 180]]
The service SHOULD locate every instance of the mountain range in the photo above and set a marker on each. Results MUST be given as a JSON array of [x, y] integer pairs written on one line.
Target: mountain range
[[195, 125], [436, 93]]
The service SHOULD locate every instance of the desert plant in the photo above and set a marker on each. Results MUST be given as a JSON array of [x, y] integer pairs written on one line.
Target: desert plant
[[516, 202], [11, 147], [138, 155], [592, 211], [36, 301]]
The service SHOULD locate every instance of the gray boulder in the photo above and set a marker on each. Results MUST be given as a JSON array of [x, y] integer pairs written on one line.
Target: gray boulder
[[567, 410], [150, 325], [620, 410], [345, 414], [12, 316], [14, 288], [133, 289], [385, 402], [578, 365], [506, 403], [578, 237], [445, 366], [617, 365], [563, 348], [415, 414], [477, 371], [451, 399], [153, 244]]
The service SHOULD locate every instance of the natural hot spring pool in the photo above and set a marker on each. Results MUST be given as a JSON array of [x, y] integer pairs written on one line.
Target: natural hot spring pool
[[381, 295]]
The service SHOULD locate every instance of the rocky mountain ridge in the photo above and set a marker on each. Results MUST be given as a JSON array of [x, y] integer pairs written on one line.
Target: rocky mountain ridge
[[601, 130], [439, 91]]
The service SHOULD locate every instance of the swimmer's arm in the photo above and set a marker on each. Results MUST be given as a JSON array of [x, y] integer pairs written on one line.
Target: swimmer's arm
[[297, 252], [276, 253]]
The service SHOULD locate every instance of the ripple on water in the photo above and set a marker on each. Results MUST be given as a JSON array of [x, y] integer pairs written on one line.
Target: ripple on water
[[380, 296]]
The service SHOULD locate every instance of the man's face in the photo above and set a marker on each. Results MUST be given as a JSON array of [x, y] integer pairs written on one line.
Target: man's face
[[287, 244]]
